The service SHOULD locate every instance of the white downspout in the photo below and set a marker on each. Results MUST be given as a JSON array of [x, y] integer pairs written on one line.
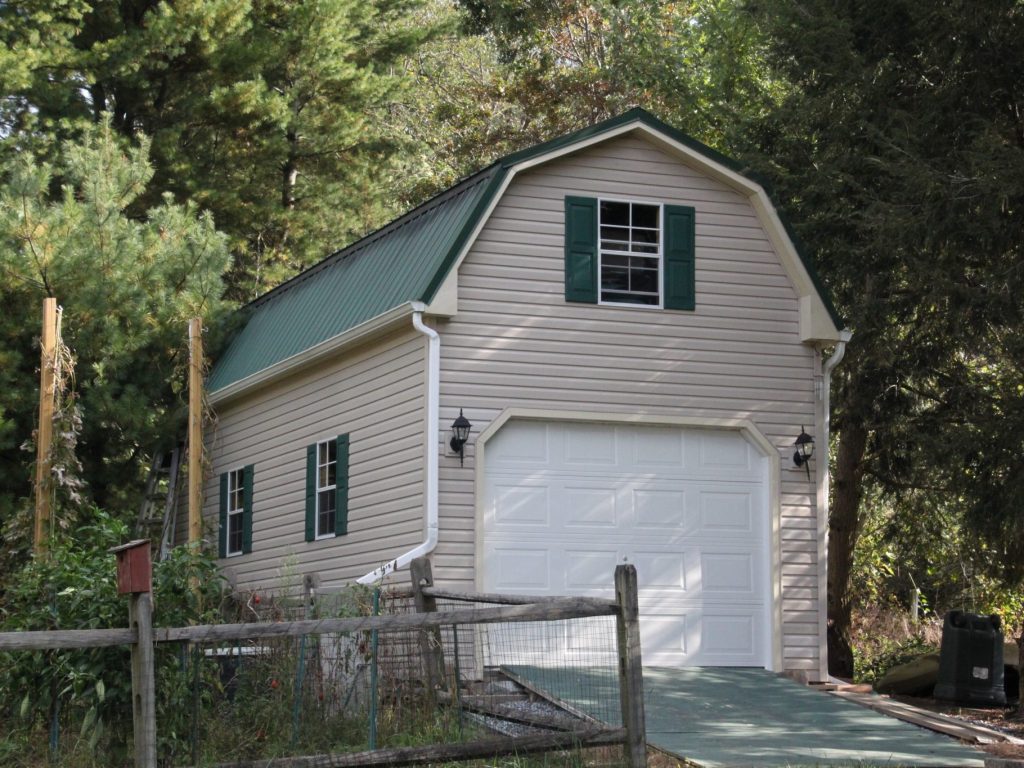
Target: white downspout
[[430, 446], [823, 497], [826, 395]]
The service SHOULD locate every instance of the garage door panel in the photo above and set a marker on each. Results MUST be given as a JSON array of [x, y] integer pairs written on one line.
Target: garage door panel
[[588, 569], [590, 507], [522, 505], [517, 569], [659, 509], [589, 445], [727, 512]]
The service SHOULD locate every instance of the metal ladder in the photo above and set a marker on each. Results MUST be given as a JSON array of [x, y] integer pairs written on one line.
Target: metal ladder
[[159, 510]]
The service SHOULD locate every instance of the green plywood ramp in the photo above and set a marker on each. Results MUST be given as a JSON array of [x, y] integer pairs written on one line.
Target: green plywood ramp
[[720, 716]]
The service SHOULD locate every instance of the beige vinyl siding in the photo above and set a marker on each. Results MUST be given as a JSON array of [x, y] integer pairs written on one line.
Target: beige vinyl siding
[[376, 395], [515, 342]]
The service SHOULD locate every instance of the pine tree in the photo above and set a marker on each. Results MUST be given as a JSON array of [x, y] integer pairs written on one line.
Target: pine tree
[[128, 285]]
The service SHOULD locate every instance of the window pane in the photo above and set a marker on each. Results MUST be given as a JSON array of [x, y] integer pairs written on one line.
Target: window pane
[[615, 213], [645, 236], [644, 280], [234, 534], [609, 260], [325, 513], [615, 278], [628, 298], [614, 233], [645, 216]]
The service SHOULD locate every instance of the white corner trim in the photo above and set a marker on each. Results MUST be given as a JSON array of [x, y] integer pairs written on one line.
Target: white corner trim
[[350, 338], [745, 426]]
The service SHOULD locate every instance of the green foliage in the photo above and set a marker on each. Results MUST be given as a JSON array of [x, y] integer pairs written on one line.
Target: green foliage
[[128, 281], [529, 71], [874, 658], [270, 115], [75, 588]]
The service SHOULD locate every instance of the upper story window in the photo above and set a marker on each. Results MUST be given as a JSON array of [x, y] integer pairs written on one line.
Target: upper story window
[[630, 253]]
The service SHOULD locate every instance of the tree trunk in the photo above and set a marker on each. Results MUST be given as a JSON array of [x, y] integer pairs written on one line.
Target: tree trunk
[[290, 172], [844, 528]]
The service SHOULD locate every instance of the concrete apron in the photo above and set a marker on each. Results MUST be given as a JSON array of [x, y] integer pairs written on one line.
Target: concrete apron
[[731, 716]]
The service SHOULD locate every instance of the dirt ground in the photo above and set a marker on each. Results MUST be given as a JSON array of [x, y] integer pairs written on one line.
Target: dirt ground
[[1005, 719]]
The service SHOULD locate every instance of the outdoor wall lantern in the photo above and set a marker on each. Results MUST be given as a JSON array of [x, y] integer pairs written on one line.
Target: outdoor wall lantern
[[460, 434], [804, 450]]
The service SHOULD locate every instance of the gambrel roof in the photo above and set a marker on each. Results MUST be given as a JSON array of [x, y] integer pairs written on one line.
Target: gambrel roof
[[412, 260]]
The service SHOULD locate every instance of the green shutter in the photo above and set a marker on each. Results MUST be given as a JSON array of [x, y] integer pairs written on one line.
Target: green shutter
[[311, 492], [222, 539], [581, 249], [679, 257], [341, 489], [247, 478]]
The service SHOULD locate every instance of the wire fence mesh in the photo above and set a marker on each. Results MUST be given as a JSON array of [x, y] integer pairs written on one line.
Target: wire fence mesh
[[344, 692]]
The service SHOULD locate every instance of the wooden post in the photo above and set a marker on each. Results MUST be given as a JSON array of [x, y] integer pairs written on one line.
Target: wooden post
[[44, 435], [195, 430], [430, 639], [140, 619], [631, 681]]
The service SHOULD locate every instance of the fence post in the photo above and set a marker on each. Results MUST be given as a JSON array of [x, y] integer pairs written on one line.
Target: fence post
[[631, 681], [135, 578], [430, 639]]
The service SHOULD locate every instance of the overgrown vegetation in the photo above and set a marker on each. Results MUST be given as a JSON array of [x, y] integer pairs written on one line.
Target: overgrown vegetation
[[78, 702]]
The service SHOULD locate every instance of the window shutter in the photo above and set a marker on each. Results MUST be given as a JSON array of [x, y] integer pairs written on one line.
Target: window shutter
[[679, 257], [247, 477], [581, 249], [311, 492], [222, 539], [341, 489]]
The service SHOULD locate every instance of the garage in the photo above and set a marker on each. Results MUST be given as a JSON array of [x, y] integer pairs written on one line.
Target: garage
[[565, 502]]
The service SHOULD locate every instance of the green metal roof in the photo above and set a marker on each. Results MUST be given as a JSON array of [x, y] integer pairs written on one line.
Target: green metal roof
[[405, 261], [393, 266]]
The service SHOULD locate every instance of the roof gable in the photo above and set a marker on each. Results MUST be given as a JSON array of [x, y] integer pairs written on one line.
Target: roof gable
[[410, 259]]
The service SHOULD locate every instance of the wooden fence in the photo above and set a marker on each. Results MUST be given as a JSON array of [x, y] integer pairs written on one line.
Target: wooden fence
[[141, 636]]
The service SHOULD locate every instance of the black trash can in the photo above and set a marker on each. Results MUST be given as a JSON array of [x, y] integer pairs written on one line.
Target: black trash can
[[971, 661]]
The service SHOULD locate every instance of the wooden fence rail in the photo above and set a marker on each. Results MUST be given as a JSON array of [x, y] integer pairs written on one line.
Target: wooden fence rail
[[67, 639]]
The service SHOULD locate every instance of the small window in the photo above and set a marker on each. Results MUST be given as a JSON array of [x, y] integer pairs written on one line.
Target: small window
[[236, 512], [630, 253], [326, 488]]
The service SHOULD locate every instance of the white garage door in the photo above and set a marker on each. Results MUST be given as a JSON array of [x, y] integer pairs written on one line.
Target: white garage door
[[566, 502]]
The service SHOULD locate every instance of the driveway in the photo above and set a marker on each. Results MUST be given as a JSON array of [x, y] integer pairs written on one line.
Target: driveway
[[733, 716]]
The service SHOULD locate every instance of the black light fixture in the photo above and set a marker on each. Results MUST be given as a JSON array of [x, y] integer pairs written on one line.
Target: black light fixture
[[460, 434], [804, 450]]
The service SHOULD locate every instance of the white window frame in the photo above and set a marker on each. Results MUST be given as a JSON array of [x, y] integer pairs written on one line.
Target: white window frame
[[235, 514], [332, 488], [660, 255]]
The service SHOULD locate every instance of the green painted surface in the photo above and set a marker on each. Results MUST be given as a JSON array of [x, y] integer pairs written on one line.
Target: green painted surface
[[404, 261], [719, 716]]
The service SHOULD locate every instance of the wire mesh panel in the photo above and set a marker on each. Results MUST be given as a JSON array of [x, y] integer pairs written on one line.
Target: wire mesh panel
[[371, 689]]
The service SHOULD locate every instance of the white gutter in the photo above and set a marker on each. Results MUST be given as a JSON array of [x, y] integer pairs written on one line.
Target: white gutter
[[431, 447], [332, 346]]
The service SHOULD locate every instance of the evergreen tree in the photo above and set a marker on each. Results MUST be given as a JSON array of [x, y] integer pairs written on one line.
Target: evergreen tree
[[128, 286], [272, 115]]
